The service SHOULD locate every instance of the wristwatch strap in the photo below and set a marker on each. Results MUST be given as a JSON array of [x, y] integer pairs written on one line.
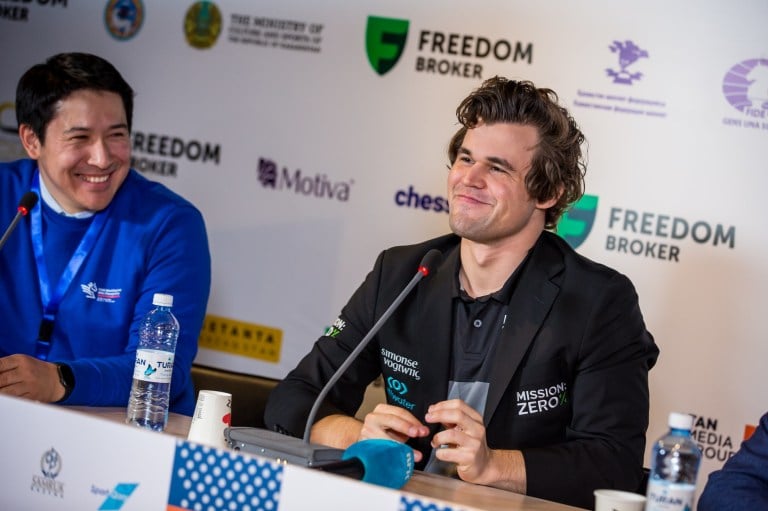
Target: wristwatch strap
[[67, 379]]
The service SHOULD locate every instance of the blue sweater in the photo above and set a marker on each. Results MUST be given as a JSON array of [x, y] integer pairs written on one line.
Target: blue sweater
[[154, 241], [742, 483]]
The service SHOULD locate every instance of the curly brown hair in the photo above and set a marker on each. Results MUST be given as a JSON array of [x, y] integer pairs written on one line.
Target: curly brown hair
[[557, 168]]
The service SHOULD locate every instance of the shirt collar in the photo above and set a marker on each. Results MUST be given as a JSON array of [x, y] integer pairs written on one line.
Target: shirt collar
[[51, 203]]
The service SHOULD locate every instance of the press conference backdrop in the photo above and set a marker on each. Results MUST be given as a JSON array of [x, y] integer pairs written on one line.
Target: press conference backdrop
[[312, 135]]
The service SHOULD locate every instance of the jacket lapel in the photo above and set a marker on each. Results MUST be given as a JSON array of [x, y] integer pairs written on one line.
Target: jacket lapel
[[531, 301]]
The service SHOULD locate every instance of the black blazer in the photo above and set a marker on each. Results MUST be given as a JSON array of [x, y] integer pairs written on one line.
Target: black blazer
[[569, 384]]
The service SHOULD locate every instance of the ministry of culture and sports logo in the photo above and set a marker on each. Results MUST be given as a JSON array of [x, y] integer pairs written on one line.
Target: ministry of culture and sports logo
[[202, 24], [628, 54], [745, 87], [575, 225], [123, 18], [384, 42]]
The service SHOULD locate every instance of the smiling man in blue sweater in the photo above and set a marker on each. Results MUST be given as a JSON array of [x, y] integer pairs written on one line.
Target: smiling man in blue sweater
[[78, 275]]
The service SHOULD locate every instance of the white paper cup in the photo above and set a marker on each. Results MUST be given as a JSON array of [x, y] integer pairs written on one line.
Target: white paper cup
[[213, 414], [615, 500]]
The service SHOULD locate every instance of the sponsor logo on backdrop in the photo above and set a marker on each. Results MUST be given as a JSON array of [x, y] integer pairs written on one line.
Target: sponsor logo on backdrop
[[715, 444], [642, 233], [147, 147], [576, 224], [8, 118], [410, 198], [284, 34], [384, 42], [22, 12], [123, 18], [438, 51], [620, 96], [50, 467], [656, 235], [116, 497], [745, 87], [303, 183], [202, 24], [628, 53], [543, 399]]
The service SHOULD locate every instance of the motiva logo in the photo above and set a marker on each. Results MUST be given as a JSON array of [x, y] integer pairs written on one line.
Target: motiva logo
[[575, 225], [384, 42], [318, 185]]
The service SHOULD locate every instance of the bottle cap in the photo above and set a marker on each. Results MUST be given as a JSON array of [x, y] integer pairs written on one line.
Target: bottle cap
[[680, 421], [162, 300]]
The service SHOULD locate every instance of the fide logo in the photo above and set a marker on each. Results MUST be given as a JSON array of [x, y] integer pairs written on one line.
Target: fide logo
[[384, 42], [576, 224]]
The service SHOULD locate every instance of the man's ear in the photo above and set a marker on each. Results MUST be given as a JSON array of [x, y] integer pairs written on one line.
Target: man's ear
[[30, 141], [546, 204]]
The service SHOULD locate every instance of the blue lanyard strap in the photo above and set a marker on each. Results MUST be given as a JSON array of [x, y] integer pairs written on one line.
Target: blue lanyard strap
[[50, 301]]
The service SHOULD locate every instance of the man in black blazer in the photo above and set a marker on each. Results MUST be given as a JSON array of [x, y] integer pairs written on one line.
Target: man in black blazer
[[518, 363]]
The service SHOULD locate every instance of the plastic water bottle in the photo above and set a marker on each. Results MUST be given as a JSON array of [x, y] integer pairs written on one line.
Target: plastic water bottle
[[150, 392], [675, 461]]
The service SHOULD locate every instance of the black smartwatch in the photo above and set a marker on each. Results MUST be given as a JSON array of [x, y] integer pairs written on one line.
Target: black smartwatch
[[67, 379]]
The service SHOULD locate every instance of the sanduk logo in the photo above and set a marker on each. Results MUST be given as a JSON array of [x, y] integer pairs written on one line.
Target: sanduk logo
[[576, 224], [384, 42]]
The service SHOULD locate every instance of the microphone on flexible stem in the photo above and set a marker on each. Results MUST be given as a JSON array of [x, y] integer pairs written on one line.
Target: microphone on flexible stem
[[27, 202], [377, 461], [284, 448]]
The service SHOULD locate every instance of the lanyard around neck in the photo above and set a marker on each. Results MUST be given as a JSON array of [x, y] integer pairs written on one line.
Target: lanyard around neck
[[52, 300]]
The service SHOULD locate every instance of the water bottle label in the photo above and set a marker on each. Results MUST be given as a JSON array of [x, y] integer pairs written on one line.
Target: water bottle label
[[153, 366], [664, 496]]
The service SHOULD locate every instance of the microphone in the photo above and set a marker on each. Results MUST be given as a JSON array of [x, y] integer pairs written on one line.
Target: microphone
[[27, 202], [284, 448], [378, 461]]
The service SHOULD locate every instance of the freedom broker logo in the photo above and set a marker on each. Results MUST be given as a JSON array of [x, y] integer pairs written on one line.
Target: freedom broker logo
[[384, 42], [439, 52], [285, 179], [576, 224]]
